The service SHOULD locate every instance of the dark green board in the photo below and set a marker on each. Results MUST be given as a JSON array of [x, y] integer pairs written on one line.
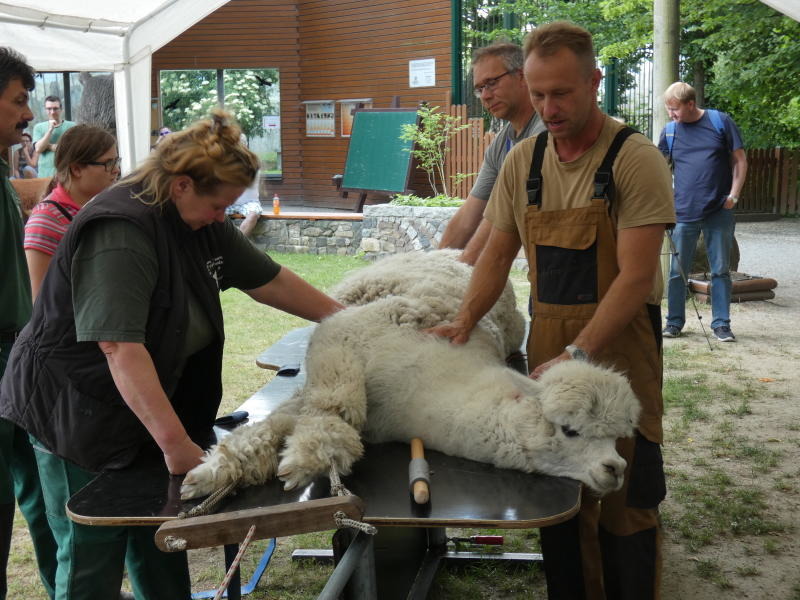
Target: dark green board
[[377, 160]]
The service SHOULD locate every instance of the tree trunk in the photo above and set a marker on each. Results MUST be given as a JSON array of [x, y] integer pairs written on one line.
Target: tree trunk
[[666, 46]]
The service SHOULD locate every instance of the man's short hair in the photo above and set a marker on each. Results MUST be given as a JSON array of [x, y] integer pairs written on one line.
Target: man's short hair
[[13, 66], [509, 53], [682, 92], [547, 40], [54, 99]]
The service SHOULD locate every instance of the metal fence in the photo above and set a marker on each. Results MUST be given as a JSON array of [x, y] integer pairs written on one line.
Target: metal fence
[[627, 90]]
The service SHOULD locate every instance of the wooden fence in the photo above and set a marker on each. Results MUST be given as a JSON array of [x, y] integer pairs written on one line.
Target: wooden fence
[[466, 151], [772, 185]]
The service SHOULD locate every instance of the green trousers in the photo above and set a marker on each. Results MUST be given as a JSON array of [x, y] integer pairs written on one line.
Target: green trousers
[[19, 478], [91, 559]]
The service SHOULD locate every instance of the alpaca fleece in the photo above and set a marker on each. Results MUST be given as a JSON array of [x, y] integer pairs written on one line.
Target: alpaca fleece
[[373, 375]]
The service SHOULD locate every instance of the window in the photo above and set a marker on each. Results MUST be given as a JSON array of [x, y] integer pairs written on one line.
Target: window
[[251, 95], [85, 97]]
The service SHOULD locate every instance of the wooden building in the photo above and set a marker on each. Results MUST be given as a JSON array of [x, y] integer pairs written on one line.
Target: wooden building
[[324, 50]]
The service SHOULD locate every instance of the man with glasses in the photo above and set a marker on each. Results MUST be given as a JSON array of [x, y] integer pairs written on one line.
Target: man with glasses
[[500, 86], [47, 133]]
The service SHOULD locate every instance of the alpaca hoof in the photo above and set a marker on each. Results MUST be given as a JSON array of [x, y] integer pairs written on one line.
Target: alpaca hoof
[[294, 475], [198, 482]]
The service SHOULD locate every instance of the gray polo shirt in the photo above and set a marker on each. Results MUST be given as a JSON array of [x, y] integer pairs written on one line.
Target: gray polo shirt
[[495, 154]]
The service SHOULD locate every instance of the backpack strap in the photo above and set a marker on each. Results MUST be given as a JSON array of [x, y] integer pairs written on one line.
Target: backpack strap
[[669, 132], [60, 208], [535, 179], [604, 176], [716, 120]]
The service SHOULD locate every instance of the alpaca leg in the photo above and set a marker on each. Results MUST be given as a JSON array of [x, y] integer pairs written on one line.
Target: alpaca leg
[[248, 455], [336, 385], [316, 443]]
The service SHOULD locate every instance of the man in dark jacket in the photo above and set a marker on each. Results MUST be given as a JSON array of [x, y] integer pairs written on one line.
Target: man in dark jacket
[[18, 473]]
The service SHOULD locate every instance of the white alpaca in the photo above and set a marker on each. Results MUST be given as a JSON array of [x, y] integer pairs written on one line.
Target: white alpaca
[[372, 374]]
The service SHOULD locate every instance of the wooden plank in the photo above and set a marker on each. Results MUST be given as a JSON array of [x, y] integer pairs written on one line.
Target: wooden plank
[[270, 521]]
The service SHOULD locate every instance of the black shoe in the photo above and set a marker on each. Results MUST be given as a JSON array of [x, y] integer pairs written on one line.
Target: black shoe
[[724, 334], [671, 331]]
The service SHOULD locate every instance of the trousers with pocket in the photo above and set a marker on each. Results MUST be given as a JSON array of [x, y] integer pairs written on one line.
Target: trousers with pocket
[[610, 550], [91, 559]]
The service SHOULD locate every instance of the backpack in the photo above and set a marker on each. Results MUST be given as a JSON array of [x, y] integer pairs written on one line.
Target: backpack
[[669, 130]]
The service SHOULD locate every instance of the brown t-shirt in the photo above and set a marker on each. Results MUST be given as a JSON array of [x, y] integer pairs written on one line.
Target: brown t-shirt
[[641, 178]]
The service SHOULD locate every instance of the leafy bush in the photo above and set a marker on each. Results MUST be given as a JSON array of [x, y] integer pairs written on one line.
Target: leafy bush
[[412, 200]]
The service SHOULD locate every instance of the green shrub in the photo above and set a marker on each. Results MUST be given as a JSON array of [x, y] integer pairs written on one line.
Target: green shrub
[[412, 200]]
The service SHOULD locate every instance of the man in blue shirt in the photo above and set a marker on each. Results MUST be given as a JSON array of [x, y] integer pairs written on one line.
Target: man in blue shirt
[[709, 168]]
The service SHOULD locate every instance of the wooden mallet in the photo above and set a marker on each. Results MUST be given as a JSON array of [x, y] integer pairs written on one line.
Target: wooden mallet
[[419, 476]]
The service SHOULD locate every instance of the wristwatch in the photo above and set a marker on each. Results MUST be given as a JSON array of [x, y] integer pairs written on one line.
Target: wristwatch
[[577, 353], [733, 198]]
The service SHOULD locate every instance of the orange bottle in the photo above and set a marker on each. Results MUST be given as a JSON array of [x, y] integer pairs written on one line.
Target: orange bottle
[[276, 205]]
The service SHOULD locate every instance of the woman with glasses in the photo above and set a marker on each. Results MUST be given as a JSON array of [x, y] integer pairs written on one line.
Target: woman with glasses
[[86, 163], [121, 362]]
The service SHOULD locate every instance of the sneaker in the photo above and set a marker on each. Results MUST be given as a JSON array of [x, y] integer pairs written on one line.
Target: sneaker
[[724, 334], [671, 331]]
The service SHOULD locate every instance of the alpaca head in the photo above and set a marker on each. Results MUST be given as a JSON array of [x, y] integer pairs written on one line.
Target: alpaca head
[[589, 407]]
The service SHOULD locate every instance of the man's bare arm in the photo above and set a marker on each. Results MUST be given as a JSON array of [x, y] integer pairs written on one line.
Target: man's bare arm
[[485, 286], [463, 223]]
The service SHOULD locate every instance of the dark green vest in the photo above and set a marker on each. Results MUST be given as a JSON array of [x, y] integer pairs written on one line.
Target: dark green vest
[[61, 391]]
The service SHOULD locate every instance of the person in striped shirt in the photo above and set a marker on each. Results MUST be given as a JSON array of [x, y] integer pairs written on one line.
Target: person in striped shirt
[[87, 162]]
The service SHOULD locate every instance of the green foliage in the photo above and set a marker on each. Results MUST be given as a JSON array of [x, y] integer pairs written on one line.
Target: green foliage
[[430, 139], [412, 200], [187, 96], [746, 52]]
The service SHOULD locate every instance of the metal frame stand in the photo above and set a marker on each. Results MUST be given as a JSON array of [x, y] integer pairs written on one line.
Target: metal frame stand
[[236, 590], [401, 561]]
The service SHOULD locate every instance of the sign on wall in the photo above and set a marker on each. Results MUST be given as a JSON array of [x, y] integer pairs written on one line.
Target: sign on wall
[[346, 112], [422, 73], [320, 118]]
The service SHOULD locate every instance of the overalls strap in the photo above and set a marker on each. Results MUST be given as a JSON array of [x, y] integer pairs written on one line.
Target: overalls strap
[[534, 183], [604, 177]]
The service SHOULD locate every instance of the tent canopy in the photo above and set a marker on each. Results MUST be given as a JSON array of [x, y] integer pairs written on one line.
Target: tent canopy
[[791, 8], [98, 35]]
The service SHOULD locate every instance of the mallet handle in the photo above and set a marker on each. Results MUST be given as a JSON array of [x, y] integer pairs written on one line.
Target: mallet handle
[[420, 489]]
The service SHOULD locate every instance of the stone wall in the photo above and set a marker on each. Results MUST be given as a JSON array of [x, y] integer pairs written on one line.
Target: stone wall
[[389, 229], [385, 229], [304, 236]]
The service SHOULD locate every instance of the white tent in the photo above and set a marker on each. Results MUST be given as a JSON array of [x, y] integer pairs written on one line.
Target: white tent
[[104, 35], [791, 8]]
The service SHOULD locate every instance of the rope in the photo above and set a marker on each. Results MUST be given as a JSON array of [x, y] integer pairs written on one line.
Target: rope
[[210, 503], [235, 564], [337, 487], [341, 519]]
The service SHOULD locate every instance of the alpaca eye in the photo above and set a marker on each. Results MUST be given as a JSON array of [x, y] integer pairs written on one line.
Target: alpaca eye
[[568, 431]]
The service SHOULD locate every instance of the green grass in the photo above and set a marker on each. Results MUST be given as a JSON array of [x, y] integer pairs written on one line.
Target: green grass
[[709, 504], [251, 327]]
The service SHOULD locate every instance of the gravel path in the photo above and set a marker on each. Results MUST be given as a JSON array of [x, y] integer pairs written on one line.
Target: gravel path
[[772, 249]]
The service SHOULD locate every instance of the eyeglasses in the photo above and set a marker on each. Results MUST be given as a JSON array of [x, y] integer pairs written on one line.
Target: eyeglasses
[[490, 84], [163, 133], [110, 164]]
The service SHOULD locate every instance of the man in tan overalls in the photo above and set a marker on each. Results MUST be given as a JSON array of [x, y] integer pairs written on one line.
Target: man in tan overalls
[[590, 209]]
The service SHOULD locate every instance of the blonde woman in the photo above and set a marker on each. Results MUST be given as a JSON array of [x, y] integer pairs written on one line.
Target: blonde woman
[[87, 162], [123, 354]]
